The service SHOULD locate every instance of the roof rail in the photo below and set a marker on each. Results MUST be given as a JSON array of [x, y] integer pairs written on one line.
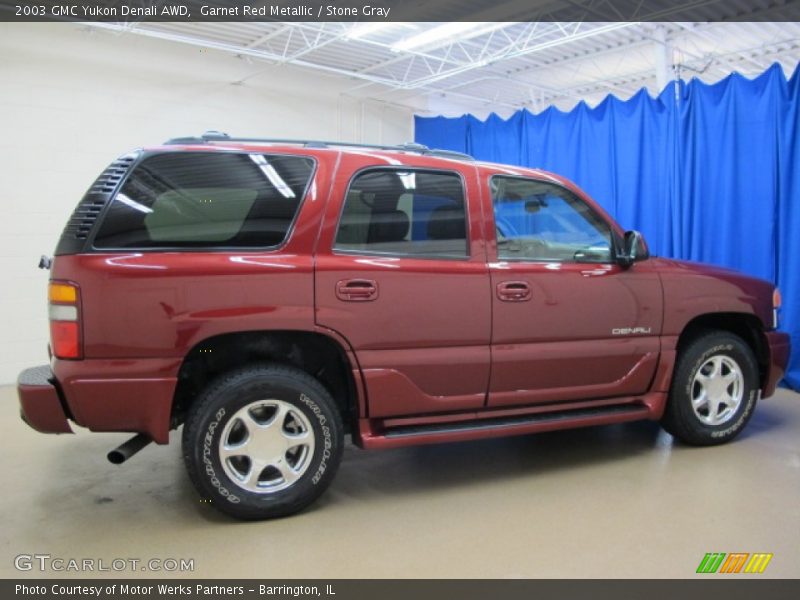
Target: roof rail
[[218, 136]]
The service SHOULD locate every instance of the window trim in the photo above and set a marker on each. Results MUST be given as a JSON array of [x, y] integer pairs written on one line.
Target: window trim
[[404, 168], [209, 247], [614, 241]]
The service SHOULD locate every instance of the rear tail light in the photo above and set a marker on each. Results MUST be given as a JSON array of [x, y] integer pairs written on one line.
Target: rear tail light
[[65, 330]]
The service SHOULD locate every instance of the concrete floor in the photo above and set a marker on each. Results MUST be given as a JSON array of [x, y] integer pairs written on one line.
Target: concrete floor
[[618, 501]]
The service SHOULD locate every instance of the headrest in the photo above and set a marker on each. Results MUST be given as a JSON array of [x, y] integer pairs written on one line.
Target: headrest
[[388, 226]]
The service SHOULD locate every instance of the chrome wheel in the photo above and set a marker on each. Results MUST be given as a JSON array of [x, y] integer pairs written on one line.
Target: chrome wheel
[[266, 446], [717, 390]]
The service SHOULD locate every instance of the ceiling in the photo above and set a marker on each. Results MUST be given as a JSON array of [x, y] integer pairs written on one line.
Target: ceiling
[[480, 67]]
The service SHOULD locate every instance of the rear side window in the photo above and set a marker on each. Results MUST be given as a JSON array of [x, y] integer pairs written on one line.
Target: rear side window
[[405, 213], [195, 199]]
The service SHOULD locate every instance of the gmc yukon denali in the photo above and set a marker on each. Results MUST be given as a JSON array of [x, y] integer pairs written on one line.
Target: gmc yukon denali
[[273, 296]]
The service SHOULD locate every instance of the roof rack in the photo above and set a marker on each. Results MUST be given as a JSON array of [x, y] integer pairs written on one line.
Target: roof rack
[[218, 136]]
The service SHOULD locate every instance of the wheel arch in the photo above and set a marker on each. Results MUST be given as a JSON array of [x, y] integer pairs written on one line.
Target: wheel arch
[[318, 353], [746, 326]]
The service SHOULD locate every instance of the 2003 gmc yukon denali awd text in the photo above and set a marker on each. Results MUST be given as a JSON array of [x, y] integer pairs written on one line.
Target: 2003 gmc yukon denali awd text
[[272, 297]]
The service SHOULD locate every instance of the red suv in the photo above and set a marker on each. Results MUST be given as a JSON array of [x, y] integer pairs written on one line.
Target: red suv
[[272, 296]]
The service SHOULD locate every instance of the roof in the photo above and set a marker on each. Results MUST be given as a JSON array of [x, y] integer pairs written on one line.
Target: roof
[[397, 155], [218, 139]]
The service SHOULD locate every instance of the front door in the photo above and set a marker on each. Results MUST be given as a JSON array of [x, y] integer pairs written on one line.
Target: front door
[[401, 273], [568, 322]]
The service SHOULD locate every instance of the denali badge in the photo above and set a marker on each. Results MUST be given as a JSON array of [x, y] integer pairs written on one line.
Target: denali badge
[[631, 331]]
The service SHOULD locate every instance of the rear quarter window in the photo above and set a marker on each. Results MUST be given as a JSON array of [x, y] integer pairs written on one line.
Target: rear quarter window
[[206, 200]]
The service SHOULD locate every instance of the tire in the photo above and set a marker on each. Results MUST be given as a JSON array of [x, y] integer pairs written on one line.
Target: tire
[[714, 390], [263, 442]]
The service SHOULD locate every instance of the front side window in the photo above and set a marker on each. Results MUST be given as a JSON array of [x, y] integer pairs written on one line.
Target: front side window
[[541, 221], [204, 199], [405, 213]]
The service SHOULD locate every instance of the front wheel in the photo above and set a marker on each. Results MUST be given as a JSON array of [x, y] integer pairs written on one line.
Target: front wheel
[[263, 441], [714, 390]]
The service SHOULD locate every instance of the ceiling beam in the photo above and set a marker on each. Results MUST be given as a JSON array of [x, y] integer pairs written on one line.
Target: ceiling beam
[[507, 55], [268, 36]]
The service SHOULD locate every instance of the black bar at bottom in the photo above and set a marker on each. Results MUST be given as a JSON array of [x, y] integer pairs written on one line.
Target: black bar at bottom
[[734, 587]]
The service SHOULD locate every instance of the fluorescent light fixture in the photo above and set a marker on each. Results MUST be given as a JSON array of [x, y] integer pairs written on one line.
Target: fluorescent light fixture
[[275, 179], [446, 33], [360, 30]]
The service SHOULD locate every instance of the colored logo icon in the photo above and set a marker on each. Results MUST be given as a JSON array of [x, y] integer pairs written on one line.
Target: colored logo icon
[[735, 562]]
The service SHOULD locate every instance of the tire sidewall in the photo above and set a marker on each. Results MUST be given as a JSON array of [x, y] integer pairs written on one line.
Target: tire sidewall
[[223, 402], [734, 349]]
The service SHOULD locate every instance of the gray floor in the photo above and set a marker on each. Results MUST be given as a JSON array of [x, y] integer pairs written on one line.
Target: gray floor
[[619, 501]]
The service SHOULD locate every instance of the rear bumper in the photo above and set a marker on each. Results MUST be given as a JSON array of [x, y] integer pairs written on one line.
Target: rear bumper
[[779, 346], [40, 404], [132, 395]]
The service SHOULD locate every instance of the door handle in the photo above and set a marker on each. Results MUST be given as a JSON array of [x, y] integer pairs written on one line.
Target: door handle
[[357, 290], [514, 291]]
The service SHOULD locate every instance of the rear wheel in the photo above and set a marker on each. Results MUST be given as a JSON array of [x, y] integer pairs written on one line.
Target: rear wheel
[[263, 442], [714, 390]]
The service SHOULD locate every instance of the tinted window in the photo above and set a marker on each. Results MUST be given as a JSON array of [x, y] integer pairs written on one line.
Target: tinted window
[[206, 199], [537, 220], [410, 213]]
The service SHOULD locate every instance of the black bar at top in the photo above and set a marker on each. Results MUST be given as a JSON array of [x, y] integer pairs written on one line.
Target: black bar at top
[[571, 11]]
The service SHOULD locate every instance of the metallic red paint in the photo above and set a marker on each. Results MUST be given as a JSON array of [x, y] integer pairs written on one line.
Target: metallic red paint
[[692, 290], [120, 394], [423, 345], [432, 344], [560, 345]]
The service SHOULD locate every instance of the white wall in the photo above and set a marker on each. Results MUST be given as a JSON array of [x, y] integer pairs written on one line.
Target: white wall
[[73, 99]]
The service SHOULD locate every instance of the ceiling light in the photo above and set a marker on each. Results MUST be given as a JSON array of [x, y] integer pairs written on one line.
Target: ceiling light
[[446, 33], [361, 30]]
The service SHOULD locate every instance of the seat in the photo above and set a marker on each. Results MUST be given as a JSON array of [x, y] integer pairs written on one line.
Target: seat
[[447, 223], [388, 226]]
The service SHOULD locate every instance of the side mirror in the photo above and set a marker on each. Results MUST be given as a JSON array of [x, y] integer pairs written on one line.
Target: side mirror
[[634, 249]]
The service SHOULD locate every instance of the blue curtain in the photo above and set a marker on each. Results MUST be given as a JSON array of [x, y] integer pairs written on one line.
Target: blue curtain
[[708, 173]]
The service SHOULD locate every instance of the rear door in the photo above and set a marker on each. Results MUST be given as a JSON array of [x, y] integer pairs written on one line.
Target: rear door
[[401, 273], [568, 322]]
